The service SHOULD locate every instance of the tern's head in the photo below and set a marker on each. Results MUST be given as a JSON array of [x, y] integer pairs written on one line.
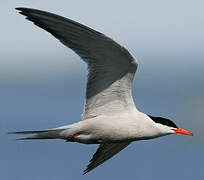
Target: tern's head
[[169, 127]]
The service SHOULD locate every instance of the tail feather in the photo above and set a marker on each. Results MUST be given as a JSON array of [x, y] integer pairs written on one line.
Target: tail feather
[[41, 134], [29, 132], [37, 137]]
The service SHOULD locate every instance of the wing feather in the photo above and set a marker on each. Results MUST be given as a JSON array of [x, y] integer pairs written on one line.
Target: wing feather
[[105, 152], [111, 67]]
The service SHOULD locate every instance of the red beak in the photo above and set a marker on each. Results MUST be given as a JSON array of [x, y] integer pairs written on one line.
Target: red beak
[[183, 131]]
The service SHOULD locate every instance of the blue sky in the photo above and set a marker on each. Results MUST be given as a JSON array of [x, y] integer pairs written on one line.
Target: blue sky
[[43, 85]]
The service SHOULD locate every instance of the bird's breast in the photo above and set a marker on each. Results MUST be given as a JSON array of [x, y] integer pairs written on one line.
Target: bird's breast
[[117, 128], [115, 131]]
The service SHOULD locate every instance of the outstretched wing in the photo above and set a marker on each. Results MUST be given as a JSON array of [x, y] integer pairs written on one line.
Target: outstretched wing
[[103, 153], [111, 67]]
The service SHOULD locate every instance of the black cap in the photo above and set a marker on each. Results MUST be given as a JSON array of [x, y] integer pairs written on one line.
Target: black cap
[[163, 121]]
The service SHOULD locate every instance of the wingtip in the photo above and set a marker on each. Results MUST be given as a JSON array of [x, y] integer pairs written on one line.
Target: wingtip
[[20, 8], [85, 172], [88, 169], [23, 10]]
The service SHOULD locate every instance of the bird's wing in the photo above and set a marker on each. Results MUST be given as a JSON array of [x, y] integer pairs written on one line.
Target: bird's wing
[[105, 152], [111, 67]]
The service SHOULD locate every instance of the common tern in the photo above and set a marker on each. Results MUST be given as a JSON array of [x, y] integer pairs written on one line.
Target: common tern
[[110, 117]]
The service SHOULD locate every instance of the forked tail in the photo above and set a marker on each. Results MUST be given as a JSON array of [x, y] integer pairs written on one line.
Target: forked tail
[[42, 134]]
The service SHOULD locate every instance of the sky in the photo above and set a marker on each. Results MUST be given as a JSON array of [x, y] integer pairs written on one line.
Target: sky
[[43, 86]]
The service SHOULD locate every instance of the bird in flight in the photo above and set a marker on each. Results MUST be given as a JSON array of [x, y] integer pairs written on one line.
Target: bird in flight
[[110, 117]]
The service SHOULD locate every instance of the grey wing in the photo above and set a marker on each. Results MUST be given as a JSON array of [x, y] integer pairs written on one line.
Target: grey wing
[[103, 153], [111, 67]]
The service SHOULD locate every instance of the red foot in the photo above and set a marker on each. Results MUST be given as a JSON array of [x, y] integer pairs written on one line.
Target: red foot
[[70, 138], [77, 134]]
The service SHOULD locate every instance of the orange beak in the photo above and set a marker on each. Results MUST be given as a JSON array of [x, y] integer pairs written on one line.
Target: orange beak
[[183, 131]]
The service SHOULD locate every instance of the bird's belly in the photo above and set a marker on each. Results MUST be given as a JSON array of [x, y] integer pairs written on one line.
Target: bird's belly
[[119, 136], [114, 132]]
